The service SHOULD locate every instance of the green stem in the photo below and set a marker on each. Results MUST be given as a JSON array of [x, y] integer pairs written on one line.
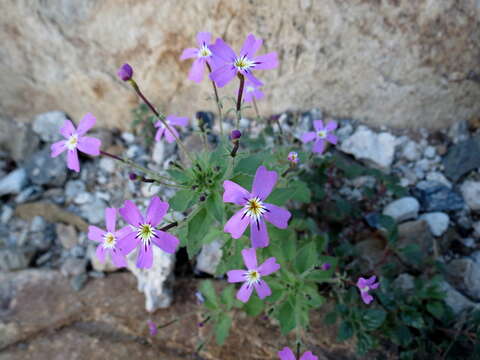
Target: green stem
[[219, 104], [256, 108], [239, 98]]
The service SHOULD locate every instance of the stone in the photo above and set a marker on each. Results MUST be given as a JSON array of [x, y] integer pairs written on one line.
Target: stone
[[23, 144], [438, 177], [464, 275], [410, 151], [403, 209], [47, 125], [434, 196], [94, 211], [15, 258], [31, 193], [455, 300], [372, 148], [155, 282], [45, 170], [107, 165], [67, 235], [128, 137], [476, 229], [106, 266], [83, 198], [73, 188], [73, 266], [471, 194], [7, 213], [462, 158], [437, 222], [158, 152], [430, 152], [458, 131], [205, 118], [414, 234], [209, 257], [14, 182], [405, 282], [77, 282]]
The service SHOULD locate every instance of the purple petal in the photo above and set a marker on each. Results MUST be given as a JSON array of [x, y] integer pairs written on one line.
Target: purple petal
[[128, 243], [100, 253], [118, 259], [250, 258], [235, 276], [203, 38], [332, 139], [57, 148], [234, 193], [361, 283], [266, 61], [319, 146], [167, 242], [110, 219], [277, 216], [89, 145], [286, 354], [159, 134], [366, 297], [222, 75], [197, 70], [130, 213], [67, 129], [263, 182], [374, 286], [331, 125], [263, 290], [309, 136], [145, 257], [177, 120], [308, 356], [223, 51], [158, 124], [258, 94], [123, 232], [268, 267], [259, 234], [95, 233], [244, 293], [371, 280], [72, 160], [87, 122], [168, 134], [250, 46], [318, 125], [253, 79], [156, 211], [237, 224], [189, 53]]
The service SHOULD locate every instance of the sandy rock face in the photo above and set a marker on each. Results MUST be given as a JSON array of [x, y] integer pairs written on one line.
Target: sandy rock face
[[393, 62]]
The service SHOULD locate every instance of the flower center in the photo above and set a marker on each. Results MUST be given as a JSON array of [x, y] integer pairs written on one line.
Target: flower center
[[365, 289], [250, 89], [243, 63], [253, 277], [72, 142], [109, 240], [146, 232], [322, 134], [255, 208], [204, 51]]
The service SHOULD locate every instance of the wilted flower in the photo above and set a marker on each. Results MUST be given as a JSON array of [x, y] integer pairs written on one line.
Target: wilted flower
[[321, 134], [171, 120], [76, 140], [110, 241], [227, 64], [365, 285], [152, 328], [203, 55], [143, 231], [287, 354], [254, 211], [125, 72], [252, 277], [293, 157], [251, 91]]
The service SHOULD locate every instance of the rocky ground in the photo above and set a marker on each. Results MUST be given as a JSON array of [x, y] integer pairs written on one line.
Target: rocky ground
[[57, 299]]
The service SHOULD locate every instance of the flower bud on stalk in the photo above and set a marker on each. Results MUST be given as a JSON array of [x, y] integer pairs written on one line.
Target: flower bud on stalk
[[235, 136]]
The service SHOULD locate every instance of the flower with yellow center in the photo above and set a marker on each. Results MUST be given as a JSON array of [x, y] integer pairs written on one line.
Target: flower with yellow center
[[72, 142], [109, 240], [146, 232], [252, 276], [322, 134], [243, 63], [204, 52], [254, 208]]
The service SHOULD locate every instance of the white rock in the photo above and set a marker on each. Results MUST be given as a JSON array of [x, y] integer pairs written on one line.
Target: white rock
[[471, 194], [430, 152], [14, 182], [7, 213], [439, 177], [154, 282], [158, 153], [107, 164], [455, 299], [403, 209], [148, 189], [375, 149], [94, 211], [82, 198], [128, 137], [73, 188], [410, 151], [47, 125], [209, 257], [437, 222]]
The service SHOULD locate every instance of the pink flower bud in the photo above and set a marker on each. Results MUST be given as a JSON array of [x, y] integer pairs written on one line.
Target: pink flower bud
[[125, 72]]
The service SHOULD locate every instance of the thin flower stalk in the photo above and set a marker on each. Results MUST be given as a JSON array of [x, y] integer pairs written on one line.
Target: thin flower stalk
[[217, 100]]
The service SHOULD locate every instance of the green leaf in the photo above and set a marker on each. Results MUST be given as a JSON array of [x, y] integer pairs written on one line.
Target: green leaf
[[436, 308], [178, 175], [373, 318], [228, 296], [401, 335], [215, 206], [311, 296], [243, 180], [302, 192], [346, 331], [364, 343], [306, 258], [181, 200], [330, 318], [222, 328], [198, 227], [208, 292], [249, 164], [254, 306], [413, 319], [297, 190], [286, 317]]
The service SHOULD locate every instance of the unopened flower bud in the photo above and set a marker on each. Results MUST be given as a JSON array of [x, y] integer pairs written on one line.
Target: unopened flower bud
[[125, 72], [202, 198], [235, 134], [326, 266], [132, 176]]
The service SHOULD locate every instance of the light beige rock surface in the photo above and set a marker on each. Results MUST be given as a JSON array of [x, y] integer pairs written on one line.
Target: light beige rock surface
[[393, 62]]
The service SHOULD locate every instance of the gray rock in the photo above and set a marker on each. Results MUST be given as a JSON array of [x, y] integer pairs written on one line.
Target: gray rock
[[405, 281], [7, 213], [476, 229], [83, 198], [14, 182], [96, 274], [108, 165], [410, 150], [471, 193], [23, 144], [67, 235], [15, 258], [403, 209], [158, 152], [459, 131], [374, 149], [455, 300], [73, 266], [430, 152], [94, 211], [45, 170], [414, 234], [47, 125], [78, 281], [73, 188], [78, 251], [129, 138], [209, 257], [31, 193], [437, 222], [462, 158], [464, 275], [434, 196], [438, 177]]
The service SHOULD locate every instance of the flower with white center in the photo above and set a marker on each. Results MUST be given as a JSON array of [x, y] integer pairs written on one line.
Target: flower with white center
[[202, 55], [293, 157], [172, 121], [364, 286], [321, 134], [252, 277]]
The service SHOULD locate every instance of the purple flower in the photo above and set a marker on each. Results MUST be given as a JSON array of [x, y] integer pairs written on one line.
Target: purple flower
[[110, 241], [235, 134], [251, 91], [143, 232], [152, 328], [365, 285], [287, 354], [171, 120], [125, 72], [293, 157], [227, 64], [252, 277], [254, 211], [76, 140], [321, 134], [203, 55], [326, 266]]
